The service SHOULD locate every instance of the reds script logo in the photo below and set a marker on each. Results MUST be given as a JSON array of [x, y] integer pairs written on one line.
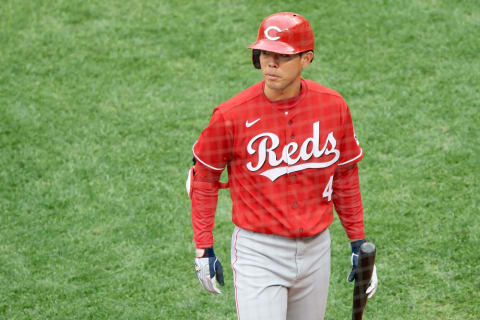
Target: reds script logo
[[288, 151]]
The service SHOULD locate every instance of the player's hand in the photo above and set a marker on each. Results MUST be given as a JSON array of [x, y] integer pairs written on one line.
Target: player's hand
[[372, 287], [208, 269]]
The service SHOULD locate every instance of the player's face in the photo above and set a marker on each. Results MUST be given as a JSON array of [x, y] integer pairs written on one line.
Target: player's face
[[282, 73]]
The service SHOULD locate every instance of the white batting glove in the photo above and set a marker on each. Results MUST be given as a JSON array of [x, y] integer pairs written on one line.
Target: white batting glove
[[373, 285], [208, 270]]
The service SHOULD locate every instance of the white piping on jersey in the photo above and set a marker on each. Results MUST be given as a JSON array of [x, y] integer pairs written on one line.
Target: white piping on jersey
[[202, 162], [348, 161]]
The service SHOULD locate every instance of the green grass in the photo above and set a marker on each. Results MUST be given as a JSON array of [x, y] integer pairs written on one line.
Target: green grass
[[101, 101]]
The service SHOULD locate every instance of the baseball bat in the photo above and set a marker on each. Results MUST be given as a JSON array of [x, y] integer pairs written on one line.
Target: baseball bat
[[366, 261]]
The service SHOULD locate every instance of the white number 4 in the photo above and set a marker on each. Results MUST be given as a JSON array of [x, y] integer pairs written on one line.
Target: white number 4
[[327, 193]]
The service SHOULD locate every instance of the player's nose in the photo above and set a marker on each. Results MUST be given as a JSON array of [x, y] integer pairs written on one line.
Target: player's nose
[[272, 61]]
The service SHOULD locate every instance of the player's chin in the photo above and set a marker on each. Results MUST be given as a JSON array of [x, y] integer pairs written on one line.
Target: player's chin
[[275, 83], [273, 86]]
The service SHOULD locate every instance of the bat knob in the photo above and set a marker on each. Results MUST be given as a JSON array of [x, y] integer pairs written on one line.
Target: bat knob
[[367, 248]]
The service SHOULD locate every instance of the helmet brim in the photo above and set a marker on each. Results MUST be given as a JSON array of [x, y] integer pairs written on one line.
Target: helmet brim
[[273, 46]]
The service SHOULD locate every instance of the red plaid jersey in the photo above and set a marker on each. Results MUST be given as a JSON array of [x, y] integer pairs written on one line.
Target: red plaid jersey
[[284, 163]]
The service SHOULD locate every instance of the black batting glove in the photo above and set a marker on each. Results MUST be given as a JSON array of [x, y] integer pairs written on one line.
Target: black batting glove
[[354, 258]]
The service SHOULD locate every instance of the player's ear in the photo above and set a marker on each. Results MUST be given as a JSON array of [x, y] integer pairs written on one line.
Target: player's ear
[[307, 58]]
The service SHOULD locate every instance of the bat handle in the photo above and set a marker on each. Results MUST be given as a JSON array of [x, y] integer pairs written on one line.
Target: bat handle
[[366, 261]]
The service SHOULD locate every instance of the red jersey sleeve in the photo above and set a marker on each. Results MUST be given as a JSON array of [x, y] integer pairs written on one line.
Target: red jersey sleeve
[[212, 152], [204, 198], [213, 147], [350, 150], [348, 202]]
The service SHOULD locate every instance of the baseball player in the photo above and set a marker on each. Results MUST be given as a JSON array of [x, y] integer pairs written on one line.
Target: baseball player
[[291, 154]]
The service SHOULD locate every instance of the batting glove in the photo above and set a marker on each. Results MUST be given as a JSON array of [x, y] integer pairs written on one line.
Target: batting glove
[[372, 288], [208, 269]]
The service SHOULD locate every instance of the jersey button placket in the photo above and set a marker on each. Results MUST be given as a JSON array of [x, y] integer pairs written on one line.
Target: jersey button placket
[[291, 177]]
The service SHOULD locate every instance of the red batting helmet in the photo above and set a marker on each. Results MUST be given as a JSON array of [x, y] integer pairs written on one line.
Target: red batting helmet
[[284, 33]]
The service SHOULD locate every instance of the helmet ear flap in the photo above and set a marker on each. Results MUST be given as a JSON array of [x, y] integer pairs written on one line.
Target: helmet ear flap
[[256, 58]]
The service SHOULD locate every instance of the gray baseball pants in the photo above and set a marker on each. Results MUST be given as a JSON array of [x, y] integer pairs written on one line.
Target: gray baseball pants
[[279, 278]]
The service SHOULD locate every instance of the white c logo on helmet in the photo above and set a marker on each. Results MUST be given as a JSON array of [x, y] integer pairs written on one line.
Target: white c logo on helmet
[[268, 30]]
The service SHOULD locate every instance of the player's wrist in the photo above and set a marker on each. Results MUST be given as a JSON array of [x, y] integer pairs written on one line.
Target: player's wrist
[[356, 245], [204, 252]]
